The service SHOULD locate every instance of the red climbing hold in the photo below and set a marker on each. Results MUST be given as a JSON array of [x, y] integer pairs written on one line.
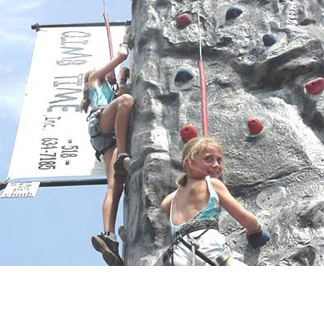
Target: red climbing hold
[[255, 126], [183, 20], [188, 132], [315, 86]]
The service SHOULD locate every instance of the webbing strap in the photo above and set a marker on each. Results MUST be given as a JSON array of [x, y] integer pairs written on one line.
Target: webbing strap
[[201, 255]]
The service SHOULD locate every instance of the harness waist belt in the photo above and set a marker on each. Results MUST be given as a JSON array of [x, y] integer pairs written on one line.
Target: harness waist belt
[[220, 260], [198, 225]]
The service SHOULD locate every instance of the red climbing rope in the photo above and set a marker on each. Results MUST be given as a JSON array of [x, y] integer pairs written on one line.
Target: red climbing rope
[[203, 92], [110, 44], [203, 89]]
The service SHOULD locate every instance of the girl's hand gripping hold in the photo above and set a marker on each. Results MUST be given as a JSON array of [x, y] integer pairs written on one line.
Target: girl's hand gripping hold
[[258, 239]]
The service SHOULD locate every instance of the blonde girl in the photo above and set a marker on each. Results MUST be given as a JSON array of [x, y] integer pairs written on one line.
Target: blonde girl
[[108, 125], [195, 206]]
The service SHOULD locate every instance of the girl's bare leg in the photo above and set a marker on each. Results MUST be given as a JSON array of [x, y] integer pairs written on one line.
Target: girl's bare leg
[[117, 116], [113, 194]]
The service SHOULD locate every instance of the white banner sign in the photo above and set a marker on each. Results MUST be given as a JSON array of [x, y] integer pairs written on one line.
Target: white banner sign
[[52, 138], [20, 190]]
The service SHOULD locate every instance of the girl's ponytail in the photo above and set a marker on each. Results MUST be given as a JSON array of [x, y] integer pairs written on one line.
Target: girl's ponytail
[[182, 180], [85, 102]]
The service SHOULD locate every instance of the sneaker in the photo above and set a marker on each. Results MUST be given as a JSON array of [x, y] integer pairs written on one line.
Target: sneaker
[[108, 248], [121, 167]]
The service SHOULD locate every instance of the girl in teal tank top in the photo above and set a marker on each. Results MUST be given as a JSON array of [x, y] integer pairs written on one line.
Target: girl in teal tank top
[[101, 95], [210, 212], [108, 126], [198, 201]]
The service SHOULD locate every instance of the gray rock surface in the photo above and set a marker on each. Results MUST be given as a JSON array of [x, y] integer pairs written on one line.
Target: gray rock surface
[[277, 175]]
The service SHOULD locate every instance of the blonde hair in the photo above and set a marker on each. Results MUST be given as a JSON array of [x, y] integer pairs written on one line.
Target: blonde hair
[[85, 102], [192, 149]]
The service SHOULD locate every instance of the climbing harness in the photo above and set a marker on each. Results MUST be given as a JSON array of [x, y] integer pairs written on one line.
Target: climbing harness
[[203, 91], [193, 246]]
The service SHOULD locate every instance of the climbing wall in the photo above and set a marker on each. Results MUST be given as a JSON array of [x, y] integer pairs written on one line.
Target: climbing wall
[[264, 73]]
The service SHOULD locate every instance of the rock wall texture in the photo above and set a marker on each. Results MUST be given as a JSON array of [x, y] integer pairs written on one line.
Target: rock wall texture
[[277, 175]]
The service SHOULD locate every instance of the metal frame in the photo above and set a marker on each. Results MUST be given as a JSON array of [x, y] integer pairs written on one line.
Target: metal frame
[[60, 183], [37, 26]]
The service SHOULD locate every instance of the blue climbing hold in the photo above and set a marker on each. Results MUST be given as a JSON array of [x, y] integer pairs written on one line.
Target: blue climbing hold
[[233, 12], [259, 239], [269, 39], [183, 75]]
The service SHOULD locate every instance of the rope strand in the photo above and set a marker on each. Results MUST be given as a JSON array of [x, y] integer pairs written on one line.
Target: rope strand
[[203, 89], [199, 31]]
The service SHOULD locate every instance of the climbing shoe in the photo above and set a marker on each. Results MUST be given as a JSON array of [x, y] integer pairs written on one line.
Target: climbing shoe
[[108, 248], [121, 167]]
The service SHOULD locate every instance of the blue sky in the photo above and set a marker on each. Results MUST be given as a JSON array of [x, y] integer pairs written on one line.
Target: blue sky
[[55, 227]]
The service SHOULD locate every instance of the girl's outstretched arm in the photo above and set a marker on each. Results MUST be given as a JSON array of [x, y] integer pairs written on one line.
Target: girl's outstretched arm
[[244, 217], [101, 73]]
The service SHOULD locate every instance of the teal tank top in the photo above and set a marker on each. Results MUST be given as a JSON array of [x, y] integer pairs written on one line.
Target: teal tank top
[[100, 96], [210, 212]]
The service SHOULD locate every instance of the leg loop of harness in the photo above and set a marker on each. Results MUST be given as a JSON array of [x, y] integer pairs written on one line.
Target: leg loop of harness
[[196, 251], [194, 247]]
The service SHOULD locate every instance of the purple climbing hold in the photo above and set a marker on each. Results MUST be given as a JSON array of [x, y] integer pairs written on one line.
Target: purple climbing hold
[[269, 40], [233, 12], [183, 20]]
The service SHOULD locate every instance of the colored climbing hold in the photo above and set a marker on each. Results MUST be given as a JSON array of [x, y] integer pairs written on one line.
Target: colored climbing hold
[[126, 163], [255, 126], [183, 75], [315, 86], [183, 20], [233, 12], [122, 233], [269, 39], [188, 132]]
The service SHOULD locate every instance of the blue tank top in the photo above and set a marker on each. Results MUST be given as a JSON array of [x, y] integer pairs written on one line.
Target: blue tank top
[[210, 212], [100, 96]]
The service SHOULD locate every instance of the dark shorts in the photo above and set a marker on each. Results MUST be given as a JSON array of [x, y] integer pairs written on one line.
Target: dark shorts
[[100, 142]]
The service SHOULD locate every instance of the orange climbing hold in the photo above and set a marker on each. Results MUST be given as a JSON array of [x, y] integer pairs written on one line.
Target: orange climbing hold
[[315, 86], [183, 20], [255, 126], [188, 132]]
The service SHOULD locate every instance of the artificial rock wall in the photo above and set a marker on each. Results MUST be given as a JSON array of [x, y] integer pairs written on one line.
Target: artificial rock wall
[[277, 175]]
